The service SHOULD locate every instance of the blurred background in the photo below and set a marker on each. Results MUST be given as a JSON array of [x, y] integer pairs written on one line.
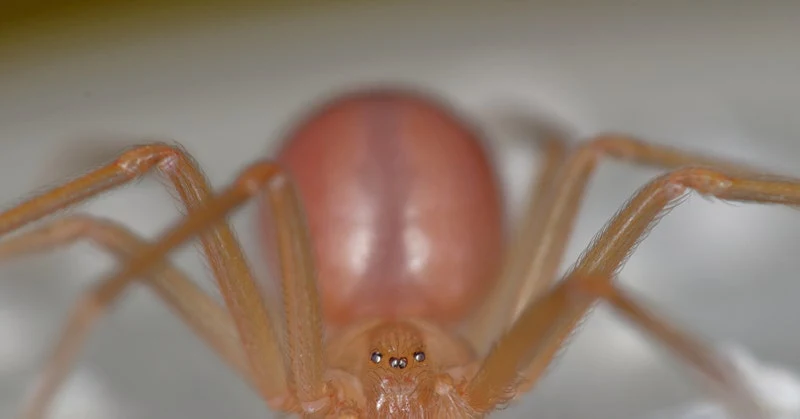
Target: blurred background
[[81, 80]]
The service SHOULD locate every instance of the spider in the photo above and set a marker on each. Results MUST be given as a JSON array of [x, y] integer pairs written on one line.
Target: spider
[[402, 297]]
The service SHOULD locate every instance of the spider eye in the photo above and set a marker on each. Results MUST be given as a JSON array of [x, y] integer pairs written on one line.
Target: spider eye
[[419, 356], [376, 357], [398, 362]]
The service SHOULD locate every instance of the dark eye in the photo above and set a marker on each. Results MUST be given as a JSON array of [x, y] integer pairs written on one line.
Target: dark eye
[[376, 357], [419, 356]]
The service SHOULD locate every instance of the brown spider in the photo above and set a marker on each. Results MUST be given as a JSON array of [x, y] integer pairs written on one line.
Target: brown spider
[[400, 298]]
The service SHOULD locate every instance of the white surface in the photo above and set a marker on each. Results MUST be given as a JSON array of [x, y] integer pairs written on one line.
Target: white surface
[[716, 76], [777, 389]]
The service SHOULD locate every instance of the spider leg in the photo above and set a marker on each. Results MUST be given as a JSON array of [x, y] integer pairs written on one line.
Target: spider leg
[[532, 268], [301, 301], [204, 315], [525, 240], [723, 376], [241, 294], [531, 343], [525, 236]]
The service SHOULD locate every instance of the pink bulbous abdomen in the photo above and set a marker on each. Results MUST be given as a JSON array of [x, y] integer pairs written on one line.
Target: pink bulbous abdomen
[[403, 207]]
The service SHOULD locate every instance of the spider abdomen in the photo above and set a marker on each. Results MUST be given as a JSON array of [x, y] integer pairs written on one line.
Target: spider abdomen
[[403, 207]]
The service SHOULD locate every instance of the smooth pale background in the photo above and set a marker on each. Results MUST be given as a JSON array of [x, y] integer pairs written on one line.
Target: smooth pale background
[[77, 85]]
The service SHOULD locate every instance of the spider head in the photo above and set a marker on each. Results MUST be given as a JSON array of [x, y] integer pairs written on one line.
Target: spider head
[[398, 373], [397, 348], [403, 366]]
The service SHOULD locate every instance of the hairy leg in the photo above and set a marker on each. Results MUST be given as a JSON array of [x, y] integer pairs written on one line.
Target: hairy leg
[[241, 295], [530, 344], [199, 311], [525, 239], [537, 267], [302, 313]]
